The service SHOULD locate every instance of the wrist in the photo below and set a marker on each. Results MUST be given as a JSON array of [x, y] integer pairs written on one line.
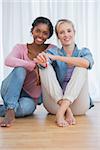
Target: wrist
[[56, 58], [46, 65]]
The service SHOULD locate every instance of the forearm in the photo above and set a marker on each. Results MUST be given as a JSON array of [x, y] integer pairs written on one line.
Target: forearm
[[75, 61], [16, 62]]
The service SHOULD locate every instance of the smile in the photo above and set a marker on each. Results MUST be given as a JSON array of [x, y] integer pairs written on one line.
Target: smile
[[38, 39]]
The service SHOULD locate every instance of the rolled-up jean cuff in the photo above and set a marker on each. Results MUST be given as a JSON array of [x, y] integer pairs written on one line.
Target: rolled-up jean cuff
[[12, 107]]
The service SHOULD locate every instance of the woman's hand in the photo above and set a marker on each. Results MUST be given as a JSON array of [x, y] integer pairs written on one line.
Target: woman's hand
[[41, 58], [52, 57]]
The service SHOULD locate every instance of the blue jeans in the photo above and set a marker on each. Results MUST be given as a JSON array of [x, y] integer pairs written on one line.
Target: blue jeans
[[14, 96]]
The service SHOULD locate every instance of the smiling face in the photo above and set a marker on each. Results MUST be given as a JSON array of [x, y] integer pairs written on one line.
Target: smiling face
[[66, 33], [40, 33]]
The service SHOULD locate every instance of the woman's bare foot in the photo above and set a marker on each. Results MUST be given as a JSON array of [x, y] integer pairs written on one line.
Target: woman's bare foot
[[69, 117], [60, 116], [8, 119], [61, 122]]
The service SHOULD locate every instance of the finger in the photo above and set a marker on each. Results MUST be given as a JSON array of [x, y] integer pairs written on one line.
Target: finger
[[45, 56], [41, 58], [36, 60], [50, 56]]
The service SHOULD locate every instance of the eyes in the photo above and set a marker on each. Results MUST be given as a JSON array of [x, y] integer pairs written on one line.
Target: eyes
[[65, 31], [38, 31]]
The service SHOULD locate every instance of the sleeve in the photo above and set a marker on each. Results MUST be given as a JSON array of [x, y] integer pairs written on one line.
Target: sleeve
[[52, 50], [86, 54], [15, 59]]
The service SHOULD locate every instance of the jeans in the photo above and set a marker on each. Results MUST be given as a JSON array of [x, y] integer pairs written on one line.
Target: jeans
[[13, 95]]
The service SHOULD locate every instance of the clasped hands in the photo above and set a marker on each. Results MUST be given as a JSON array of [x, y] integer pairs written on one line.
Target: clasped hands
[[43, 58]]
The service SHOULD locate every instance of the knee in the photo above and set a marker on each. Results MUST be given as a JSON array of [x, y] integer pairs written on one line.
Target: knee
[[80, 70], [49, 69], [3, 88], [20, 73], [26, 107]]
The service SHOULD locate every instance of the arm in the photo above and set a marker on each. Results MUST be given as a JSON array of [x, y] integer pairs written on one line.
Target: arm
[[74, 61], [15, 59], [43, 59], [84, 59]]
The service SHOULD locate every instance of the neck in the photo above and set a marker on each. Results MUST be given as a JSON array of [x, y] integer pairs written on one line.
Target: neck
[[36, 45], [38, 48], [69, 48]]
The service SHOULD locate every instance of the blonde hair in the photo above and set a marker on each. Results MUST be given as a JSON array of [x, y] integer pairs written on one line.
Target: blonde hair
[[61, 21]]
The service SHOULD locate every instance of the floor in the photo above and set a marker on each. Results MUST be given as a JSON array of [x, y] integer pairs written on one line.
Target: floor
[[40, 132]]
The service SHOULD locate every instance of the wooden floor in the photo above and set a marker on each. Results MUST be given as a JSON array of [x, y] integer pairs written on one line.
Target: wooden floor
[[39, 132]]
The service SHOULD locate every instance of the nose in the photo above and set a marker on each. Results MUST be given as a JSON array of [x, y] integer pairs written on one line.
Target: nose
[[40, 35], [66, 33]]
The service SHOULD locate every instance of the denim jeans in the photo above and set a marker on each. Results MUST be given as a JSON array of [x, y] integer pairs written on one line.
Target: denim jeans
[[13, 95]]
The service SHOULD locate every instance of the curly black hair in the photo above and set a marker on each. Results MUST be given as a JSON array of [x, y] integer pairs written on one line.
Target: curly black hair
[[43, 20]]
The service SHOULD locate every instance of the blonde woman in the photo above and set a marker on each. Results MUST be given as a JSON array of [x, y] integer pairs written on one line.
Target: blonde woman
[[65, 79]]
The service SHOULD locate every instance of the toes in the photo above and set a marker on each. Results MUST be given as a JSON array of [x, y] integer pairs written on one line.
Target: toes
[[5, 123], [71, 122], [74, 122], [62, 123]]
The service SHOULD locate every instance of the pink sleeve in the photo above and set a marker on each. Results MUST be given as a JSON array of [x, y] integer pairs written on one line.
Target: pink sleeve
[[15, 59]]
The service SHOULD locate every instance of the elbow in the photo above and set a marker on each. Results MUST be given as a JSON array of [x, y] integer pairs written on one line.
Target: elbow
[[86, 65], [6, 62]]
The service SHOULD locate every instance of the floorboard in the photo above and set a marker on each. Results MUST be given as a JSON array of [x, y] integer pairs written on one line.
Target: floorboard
[[39, 132]]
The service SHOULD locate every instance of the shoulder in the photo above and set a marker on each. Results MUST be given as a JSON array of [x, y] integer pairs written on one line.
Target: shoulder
[[51, 46], [52, 49], [84, 51], [20, 47]]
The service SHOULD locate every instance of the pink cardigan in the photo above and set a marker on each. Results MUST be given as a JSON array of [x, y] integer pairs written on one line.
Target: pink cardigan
[[18, 57]]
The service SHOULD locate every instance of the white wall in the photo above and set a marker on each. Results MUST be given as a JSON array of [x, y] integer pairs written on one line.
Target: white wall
[[18, 16]]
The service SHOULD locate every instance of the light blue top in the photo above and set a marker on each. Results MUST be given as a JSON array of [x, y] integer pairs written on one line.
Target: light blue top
[[63, 72]]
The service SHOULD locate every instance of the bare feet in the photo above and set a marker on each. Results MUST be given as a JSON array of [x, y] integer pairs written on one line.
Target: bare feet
[[8, 119], [69, 117], [60, 116], [61, 122]]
